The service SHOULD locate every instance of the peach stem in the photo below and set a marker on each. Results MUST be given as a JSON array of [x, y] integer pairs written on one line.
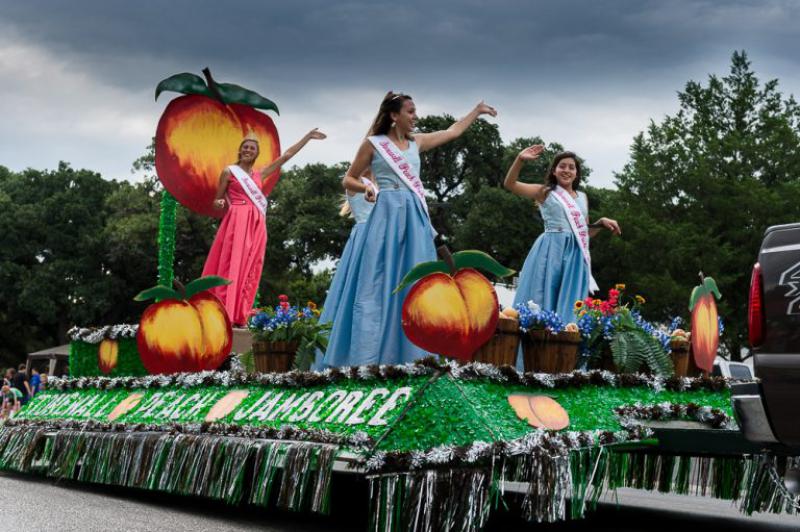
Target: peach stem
[[447, 257]]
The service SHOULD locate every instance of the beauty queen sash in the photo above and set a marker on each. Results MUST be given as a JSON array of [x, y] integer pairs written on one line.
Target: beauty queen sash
[[251, 188], [394, 158], [579, 228]]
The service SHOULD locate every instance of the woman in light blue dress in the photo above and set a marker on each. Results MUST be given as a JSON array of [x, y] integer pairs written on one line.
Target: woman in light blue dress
[[397, 236], [555, 274], [355, 204]]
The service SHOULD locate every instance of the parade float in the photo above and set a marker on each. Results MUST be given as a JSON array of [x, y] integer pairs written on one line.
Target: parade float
[[441, 443]]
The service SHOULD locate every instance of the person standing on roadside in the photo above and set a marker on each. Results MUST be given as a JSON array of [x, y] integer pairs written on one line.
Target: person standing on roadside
[[10, 399], [21, 383], [35, 382]]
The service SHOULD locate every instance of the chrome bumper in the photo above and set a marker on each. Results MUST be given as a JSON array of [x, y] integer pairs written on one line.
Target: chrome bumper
[[751, 414]]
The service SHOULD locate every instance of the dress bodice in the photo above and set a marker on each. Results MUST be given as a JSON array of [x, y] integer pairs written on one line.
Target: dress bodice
[[385, 177], [360, 207], [236, 193], [553, 214]]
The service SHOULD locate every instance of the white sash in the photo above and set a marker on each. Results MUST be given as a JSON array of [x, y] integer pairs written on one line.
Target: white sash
[[579, 228], [394, 158], [251, 188]]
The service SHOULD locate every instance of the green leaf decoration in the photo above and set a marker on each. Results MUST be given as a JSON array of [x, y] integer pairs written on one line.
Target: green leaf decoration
[[421, 270], [697, 292], [232, 93], [620, 351], [204, 283], [633, 349], [711, 287], [482, 261], [157, 292], [654, 356], [185, 83]]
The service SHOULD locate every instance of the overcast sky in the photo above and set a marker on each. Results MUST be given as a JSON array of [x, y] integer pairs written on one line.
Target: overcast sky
[[77, 78]]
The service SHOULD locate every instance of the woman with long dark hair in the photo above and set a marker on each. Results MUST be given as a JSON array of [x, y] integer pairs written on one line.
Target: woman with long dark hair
[[397, 236], [557, 271]]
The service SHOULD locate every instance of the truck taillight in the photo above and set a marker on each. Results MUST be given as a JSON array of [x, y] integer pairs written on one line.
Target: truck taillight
[[755, 309]]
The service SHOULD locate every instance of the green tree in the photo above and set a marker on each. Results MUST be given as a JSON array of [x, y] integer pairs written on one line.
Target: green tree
[[305, 230], [52, 255], [700, 189], [459, 169]]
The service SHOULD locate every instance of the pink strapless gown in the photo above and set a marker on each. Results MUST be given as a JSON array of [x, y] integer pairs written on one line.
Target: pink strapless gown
[[238, 252]]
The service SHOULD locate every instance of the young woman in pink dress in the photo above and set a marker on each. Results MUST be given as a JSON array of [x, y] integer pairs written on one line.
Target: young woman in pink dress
[[238, 250]]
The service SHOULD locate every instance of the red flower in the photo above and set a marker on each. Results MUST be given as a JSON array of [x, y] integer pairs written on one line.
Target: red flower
[[613, 294], [283, 297]]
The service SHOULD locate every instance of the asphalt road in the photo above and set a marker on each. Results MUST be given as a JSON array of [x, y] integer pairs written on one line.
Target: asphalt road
[[32, 503]]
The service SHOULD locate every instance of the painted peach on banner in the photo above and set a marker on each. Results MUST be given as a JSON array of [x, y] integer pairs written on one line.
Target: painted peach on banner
[[107, 355], [199, 135], [539, 411]]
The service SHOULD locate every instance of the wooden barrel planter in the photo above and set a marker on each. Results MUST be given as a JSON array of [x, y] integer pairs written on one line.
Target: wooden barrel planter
[[544, 352], [274, 357], [681, 357], [693, 370], [501, 349]]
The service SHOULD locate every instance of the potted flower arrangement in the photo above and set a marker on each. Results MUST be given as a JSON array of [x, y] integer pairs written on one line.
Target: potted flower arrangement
[[617, 338], [284, 334], [548, 345], [501, 349]]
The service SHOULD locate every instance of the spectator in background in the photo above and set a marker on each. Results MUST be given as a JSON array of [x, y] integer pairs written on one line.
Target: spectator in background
[[20, 382], [35, 382], [43, 381], [10, 400]]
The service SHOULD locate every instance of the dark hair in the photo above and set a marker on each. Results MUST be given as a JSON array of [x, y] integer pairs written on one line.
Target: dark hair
[[550, 179], [392, 103]]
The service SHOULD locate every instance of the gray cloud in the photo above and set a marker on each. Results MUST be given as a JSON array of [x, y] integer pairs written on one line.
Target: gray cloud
[[588, 74]]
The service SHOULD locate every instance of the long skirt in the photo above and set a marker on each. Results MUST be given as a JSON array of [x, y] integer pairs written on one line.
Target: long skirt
[[367, 316]]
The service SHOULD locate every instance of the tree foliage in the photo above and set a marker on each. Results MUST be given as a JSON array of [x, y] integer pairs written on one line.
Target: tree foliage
[[699, 191]]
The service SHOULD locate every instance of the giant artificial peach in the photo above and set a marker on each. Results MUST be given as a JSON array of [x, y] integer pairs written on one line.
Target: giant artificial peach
[[199, 135], [705, 323], [452, 309], [185, 331]]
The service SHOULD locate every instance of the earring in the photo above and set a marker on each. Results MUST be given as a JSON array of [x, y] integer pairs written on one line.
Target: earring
[[394, 124]]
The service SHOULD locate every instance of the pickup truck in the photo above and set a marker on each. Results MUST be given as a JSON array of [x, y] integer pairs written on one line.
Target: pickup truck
[[767, 410]]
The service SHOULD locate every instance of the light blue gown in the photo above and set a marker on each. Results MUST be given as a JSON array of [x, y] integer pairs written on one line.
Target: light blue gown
[[555, 274], [398, 235], [361, 209]]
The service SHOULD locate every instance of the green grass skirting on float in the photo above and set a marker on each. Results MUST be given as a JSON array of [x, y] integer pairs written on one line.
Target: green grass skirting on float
[[437, 444]]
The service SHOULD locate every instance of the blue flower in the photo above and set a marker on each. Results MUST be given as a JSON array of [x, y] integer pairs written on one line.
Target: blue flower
[[531, 316]]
